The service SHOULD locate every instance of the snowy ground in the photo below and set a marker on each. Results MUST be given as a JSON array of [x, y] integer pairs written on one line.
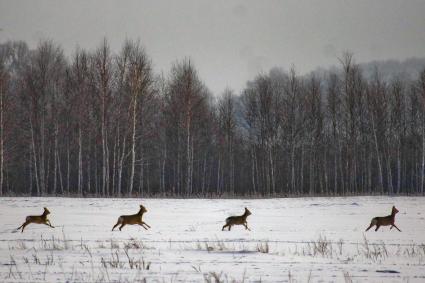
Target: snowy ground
[[292, 240]]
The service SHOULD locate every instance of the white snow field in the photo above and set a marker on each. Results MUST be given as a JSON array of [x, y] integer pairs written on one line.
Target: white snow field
[[292, 240]]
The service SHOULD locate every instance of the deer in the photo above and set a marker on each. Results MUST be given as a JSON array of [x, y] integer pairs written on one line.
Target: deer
[[384, 220], [37, 219], [132, 219], [238, 220]]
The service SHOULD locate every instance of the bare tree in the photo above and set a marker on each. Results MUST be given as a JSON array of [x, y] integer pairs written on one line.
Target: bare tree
[[102, 84], [138, 78], [227, 124], [105, 124]]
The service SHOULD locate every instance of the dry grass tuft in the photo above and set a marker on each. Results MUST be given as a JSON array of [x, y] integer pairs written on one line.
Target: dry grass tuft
[[263, 247]]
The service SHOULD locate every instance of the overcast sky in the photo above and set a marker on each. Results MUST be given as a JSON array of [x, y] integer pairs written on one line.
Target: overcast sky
[[229, 41]]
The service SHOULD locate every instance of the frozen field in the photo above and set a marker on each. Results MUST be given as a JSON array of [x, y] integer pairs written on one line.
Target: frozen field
[[292, 240]]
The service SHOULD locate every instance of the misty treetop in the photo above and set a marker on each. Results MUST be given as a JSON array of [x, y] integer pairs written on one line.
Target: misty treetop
[[105, 124]]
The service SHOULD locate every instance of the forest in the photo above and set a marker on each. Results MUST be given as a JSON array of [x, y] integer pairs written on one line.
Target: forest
[[99, 123]]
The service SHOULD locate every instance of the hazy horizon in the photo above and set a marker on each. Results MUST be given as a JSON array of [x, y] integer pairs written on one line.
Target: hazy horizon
[[228, 41]]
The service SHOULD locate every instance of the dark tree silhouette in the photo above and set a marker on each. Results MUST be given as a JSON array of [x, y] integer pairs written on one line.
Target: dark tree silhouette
[[105, 124]]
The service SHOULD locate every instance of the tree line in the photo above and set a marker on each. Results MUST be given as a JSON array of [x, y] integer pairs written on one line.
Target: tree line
[[105, 124]]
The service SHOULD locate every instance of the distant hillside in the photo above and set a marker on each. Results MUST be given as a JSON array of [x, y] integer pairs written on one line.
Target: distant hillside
[[408, 69]]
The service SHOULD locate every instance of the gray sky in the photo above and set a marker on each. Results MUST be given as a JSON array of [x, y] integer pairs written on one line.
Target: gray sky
[[229, 41]]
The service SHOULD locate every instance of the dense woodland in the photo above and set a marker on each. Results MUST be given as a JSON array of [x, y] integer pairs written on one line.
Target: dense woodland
[[97, 123]]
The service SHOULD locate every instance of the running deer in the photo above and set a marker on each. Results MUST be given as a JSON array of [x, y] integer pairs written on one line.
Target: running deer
[[132, 219], [385, 220], [37, 219], [238, 220]]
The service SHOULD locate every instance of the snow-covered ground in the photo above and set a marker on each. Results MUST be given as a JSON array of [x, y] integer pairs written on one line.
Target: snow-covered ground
[[292, 240]]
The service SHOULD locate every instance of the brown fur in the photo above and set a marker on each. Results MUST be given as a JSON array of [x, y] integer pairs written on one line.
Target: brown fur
[[132, 219], [238, 220], [384, 220], [37, 219]]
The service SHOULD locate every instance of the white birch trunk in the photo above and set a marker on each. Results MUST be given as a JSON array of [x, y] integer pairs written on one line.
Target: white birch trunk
[[133, 147]]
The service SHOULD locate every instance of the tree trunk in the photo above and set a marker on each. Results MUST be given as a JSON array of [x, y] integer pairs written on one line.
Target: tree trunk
[[218, 176], [55, 165], [378, 157], [34, 153], [1, 137], [80, 162], [398, 168], [68, 167], [292, 191], [60, 173], [120, 167], [133, 147], [421, 183]]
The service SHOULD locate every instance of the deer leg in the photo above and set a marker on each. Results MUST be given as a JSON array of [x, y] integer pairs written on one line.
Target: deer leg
[[230, 226], [49, 224], [24, 225], [141, 224], [115, 226], [45, 223], [395, 227], [246, 226], [222, 229], [377, 227], [122, 225], [144, 223], [370, 226]]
